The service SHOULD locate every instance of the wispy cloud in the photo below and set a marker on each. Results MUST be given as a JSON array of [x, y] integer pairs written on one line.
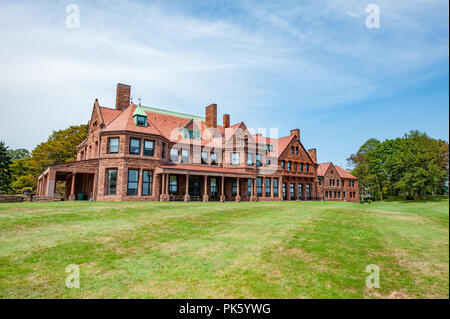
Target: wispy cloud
[[246, 56]]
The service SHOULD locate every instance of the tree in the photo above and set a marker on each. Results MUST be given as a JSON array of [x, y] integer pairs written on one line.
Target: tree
[[18, 153], [5, 162], [61, 147], [411, 166]]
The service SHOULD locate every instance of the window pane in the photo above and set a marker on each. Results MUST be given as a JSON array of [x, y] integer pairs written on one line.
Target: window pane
[[111, 181], [213, 158], [235, 159], [204, 157], [141, 120], [114, 145], [135, 146], [250, 159], [259, 186], [147, 181], [173, 184], [275, 187], [174, 155], [149, 148], [185, 156], [267, 187], [133, 176], [249, 186]]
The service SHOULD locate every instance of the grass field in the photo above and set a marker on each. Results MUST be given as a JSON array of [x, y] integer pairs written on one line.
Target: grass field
[[229, 250]]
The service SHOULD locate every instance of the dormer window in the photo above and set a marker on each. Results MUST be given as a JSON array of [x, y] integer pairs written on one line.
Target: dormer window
[[141, 120], [140, 117]]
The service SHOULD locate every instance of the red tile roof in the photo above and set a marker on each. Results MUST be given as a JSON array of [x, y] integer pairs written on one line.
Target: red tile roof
[[323, 167], [108, 114]]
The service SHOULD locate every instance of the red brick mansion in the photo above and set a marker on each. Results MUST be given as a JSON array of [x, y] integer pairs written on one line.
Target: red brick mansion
[[140, 153]]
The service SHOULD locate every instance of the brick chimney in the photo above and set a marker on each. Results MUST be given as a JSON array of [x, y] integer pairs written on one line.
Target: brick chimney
[[211, 115], [122, 96], [313, 154], [296, 132], [226, 120]]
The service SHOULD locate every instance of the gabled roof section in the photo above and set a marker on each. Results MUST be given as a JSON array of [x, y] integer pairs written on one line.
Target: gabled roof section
[[323, 168], [108, 114], [139, 111], [344, 173]]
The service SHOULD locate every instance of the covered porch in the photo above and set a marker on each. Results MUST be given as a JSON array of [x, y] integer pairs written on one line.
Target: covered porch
[[80, 181], [196, 183]]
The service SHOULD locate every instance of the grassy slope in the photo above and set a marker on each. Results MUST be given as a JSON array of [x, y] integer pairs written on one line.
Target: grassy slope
[[213, 250]]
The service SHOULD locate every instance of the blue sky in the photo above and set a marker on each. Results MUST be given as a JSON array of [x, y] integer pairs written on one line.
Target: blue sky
[[312, 65]]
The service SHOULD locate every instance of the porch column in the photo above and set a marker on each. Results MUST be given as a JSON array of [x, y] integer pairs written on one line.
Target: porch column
[[255, 192], [264, 187], [167, 184], [140, 177], [163, 187], [296, 190], [72, 187], [238, 196], [205, 189], [187, 198], [94, 187], [280, 188], [271, 187], [222, 194]]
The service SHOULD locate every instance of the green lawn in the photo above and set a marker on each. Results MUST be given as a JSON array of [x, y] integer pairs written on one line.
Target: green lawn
[[230, 250]]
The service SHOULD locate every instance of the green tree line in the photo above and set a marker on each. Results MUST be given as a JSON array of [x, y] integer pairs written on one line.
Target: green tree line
[[412, 166], [19, 169]]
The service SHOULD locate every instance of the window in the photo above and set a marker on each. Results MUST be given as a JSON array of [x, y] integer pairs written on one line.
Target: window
[[326, 194], [173, 184], [149, 148], [174, 155], [113, 145], [296, 151], [234, 187], [235, 159], [301, 167], [213, 159], [268, 162], [337, 183], [284, 191], [282, 165], [289, 166], [111, 181], [319, 180], [339, 194], [343, 194], [349, 183], [185, 156], [249, 187], [291, 192], [141, 120], [269, 148], [259, 186], [133, 177], [204, 157], [250, 159], [335, 194], [213, 187], [307, 167], [353, 183], [292, 149], [275, 187], [300, 190], [308, 190], [135, 146], [147, 182], [267, 186], [258, 159]]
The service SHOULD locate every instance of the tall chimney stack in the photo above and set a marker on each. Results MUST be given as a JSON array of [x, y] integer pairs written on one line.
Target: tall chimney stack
[[122, 96], [296, 132], [313, 154], [226, 120], [211, 115]]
